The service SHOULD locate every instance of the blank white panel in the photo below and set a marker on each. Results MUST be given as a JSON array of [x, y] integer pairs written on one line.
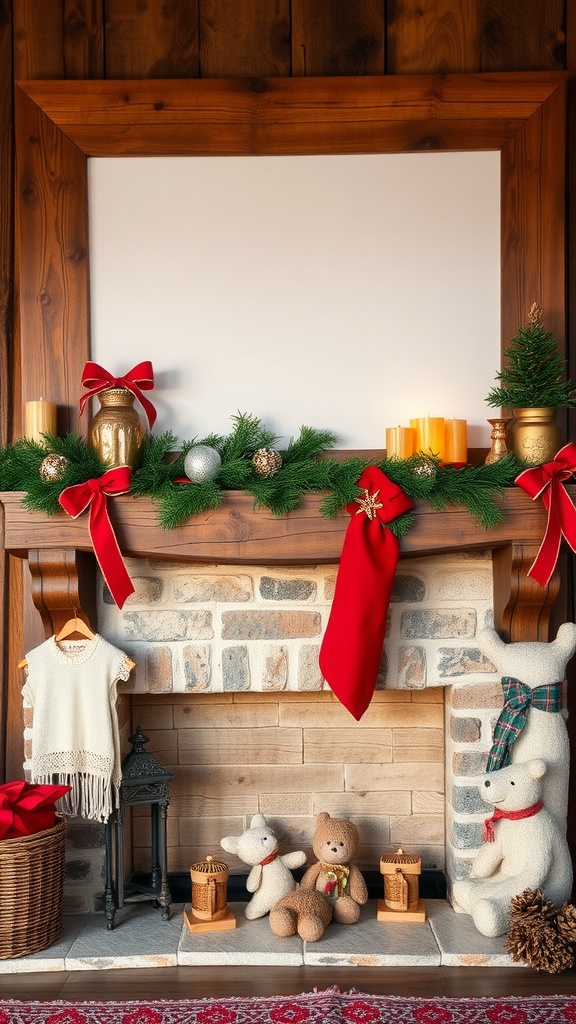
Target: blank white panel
[[348, 293]]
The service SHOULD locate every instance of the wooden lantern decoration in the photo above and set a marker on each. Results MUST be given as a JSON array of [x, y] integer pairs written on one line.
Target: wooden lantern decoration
[[401, 888], [209, 911]]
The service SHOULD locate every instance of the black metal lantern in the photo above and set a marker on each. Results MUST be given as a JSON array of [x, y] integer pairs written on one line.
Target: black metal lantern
[[144, 781]]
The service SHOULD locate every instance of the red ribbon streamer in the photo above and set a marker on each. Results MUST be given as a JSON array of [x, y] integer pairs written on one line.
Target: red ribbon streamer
[[26, 808], [94, 493], [140, 378], [547, 482], [351, 649]]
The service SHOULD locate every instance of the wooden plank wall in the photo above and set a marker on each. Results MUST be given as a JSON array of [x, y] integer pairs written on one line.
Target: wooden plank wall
[[78, 39]]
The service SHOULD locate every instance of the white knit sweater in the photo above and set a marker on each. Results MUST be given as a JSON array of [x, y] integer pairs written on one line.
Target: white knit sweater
[[75, 739]]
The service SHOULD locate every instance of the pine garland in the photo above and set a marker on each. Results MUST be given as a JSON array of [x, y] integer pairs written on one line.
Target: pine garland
[[306, 467]]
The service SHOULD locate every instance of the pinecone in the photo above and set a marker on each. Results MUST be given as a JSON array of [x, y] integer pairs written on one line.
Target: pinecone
[[531, 901], [266, 462], [567, 922], [534, 935]]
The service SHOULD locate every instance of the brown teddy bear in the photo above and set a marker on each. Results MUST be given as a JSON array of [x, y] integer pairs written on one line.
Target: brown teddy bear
[[305, 911], [336, 843]]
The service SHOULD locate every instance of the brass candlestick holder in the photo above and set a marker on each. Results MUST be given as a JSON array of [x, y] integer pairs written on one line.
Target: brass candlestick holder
[[401, 888], [498, 438], [209, 911]]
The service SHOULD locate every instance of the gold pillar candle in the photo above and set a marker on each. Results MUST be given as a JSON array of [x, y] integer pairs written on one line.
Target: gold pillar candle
[[429, 435], [39, 419], [455, 440], [399, 442]]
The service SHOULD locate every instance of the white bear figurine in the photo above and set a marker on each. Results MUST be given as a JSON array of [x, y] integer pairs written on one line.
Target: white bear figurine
[[544, 735], [270, 877], [521, 850]]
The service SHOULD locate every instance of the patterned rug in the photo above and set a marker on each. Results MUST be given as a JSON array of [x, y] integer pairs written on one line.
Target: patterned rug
[[327, 1007]]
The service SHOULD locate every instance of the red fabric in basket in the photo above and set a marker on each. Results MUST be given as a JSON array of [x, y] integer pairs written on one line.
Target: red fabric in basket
[[26, 808]]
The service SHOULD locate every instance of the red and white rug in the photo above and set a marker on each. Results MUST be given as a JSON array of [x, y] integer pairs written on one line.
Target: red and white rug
[[327, 1007]]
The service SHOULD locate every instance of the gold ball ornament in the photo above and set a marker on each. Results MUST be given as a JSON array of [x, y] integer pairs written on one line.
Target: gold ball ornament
[[53, 468], [266, 462]]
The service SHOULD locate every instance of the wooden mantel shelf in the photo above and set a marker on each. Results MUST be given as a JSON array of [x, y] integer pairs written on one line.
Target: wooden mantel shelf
[[236, 533]]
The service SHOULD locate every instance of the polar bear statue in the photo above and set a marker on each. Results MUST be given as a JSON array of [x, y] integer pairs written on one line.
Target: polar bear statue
[[524, 847]]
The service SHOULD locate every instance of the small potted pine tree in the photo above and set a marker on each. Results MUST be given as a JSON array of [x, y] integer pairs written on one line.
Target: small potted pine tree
[[533, 385]]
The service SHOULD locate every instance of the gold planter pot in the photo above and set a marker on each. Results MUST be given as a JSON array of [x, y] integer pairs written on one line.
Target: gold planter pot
[[534, 435]]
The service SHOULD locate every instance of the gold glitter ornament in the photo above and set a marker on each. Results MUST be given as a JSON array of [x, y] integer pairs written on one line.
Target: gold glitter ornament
[[266, 462], [53, 468]]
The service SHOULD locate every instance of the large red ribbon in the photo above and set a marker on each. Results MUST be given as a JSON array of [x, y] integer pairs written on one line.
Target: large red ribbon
[[94, 493], [547, 482], [140, 378], [351, 649], [26, 808]]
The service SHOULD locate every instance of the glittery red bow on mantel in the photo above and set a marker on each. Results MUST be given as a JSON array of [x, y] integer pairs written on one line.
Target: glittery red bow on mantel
[[547, 482], [94, 493], [140, 378], [351, 649]]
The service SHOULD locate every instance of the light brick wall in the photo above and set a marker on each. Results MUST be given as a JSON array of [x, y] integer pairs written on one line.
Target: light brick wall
[[228, 689]]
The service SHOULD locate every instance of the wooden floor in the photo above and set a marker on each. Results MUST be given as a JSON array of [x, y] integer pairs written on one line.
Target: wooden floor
[[197, 982]]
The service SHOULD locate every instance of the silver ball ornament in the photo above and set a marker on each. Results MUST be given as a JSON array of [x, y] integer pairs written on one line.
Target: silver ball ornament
[[52, 468], [202, 463]]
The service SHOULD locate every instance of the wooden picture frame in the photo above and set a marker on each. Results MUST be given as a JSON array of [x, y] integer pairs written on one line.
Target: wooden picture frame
[[60, 124]]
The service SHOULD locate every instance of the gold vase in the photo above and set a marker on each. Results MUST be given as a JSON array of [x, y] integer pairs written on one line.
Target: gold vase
[[534, 435], [117, 432], [498, 439]]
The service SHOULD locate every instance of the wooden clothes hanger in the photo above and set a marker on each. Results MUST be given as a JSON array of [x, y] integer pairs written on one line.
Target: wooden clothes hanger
[[75, 625]]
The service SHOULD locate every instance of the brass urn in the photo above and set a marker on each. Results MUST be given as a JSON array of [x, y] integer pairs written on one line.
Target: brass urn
[[534, 435], [117, 432]]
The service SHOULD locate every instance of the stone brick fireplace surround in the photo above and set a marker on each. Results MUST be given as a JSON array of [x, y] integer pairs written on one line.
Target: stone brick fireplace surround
[[225, 626]]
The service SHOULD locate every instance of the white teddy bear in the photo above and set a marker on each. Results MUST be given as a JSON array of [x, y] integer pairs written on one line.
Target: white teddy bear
[[270, 877], [531, 724], [524, 848]]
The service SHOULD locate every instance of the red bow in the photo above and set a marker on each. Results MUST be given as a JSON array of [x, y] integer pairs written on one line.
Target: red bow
[[140, 378], [351, 649], [26, 808], [548, 482], [74, 500]]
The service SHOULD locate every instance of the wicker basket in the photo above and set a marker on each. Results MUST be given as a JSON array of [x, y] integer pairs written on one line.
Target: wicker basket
[[31, 886]]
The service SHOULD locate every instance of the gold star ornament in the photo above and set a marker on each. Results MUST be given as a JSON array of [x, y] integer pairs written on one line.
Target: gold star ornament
[[367, 503]]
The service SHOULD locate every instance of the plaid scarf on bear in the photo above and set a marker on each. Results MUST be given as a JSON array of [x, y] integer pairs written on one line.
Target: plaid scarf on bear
[[518, 699]]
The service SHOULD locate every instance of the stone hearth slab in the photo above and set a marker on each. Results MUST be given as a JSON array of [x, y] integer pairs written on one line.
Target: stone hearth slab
[[140, 938], [373, 943], [51, 959], [461, 944], [250, 942]]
